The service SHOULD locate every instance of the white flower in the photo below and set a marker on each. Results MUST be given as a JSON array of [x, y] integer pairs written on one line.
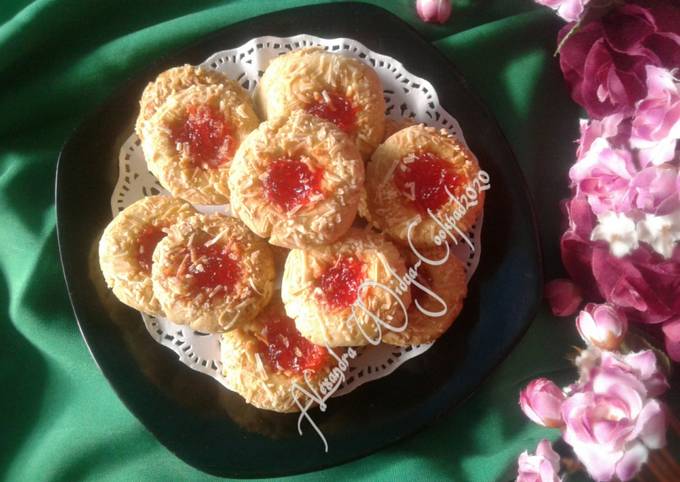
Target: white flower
[[660, 232], [618, 230]]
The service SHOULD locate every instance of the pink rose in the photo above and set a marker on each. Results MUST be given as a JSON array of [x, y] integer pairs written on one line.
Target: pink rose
[[615, 128], [563, 296], [611, 423], [642, 364], [602, 326], [544, 466], [643, 284], [604, 174], [604, 62], [433, 11], [541, 401], [656, 125], [655, 189], [570, 10]]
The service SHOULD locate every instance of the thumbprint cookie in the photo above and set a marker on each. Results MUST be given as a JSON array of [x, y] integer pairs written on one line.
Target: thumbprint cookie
[[347, 293], [422, 187], [297, 181], [127, 245], [342, 90], [191, 139], [437, 293], [172, 81], [395, 125], [265, 360], [211, 273]]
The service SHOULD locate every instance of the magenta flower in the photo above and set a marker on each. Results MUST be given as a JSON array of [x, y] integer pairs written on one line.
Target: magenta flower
[[656, 125], [604, 62], [544, 466], [604, 174], [611, 422], [570, 10], [602, 326], [671, 331], [433, 11], [563, 296], [541, 401]]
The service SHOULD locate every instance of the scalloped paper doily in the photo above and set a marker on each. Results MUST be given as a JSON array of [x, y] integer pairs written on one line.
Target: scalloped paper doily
[[406, 96]]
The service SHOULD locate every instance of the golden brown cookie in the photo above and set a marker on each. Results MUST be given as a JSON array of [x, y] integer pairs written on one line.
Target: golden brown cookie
[[297, 180], [347, 293], [127, 245], [395, 125], [172, 81], [343, 90], [212, 273], [426, 180], [266, 359], [190, 141], [437, 291]]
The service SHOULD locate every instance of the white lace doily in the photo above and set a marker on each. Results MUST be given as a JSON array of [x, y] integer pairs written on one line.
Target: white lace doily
[[406, 96]]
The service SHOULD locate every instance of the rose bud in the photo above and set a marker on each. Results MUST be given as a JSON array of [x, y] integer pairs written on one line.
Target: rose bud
[[602, 326], [541, 401], [434, 11]]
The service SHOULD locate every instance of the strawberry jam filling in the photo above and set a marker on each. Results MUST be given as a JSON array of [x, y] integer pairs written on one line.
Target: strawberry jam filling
[[146, 243], [214, 266], [207, 135], [422, 179], [335, 108], [340, 283], [285, 349], [290, 183]]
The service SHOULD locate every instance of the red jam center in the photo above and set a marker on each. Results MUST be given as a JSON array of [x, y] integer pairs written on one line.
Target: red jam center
[[286, 350], [208, 136], [290, 183], [340, 283], [146, 243], [422, 178], [335, 108], [214, 266]]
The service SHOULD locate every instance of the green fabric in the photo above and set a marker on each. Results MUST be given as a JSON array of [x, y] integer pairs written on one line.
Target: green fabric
[[60, 420]]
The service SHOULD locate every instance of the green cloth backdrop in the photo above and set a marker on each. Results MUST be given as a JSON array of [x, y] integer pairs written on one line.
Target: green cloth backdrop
[[59, 418]]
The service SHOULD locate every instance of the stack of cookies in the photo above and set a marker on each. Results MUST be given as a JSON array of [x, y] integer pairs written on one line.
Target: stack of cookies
[[348, 209]]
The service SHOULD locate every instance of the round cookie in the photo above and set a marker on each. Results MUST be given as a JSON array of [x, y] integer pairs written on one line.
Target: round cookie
[[297, 180], [348, 293], [438, 292], [395, 125], [212, 273], [190, 141], [337, 88], [265, 359], [407, 180], [172, 81], [127, 245]]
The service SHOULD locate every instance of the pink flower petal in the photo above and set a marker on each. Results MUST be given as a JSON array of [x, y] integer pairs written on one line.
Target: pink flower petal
[[651, 424], [631, 462], [600, 464], [563, 296]]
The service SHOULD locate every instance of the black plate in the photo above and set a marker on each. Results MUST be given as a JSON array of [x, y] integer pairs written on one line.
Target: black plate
[[191, 414]]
